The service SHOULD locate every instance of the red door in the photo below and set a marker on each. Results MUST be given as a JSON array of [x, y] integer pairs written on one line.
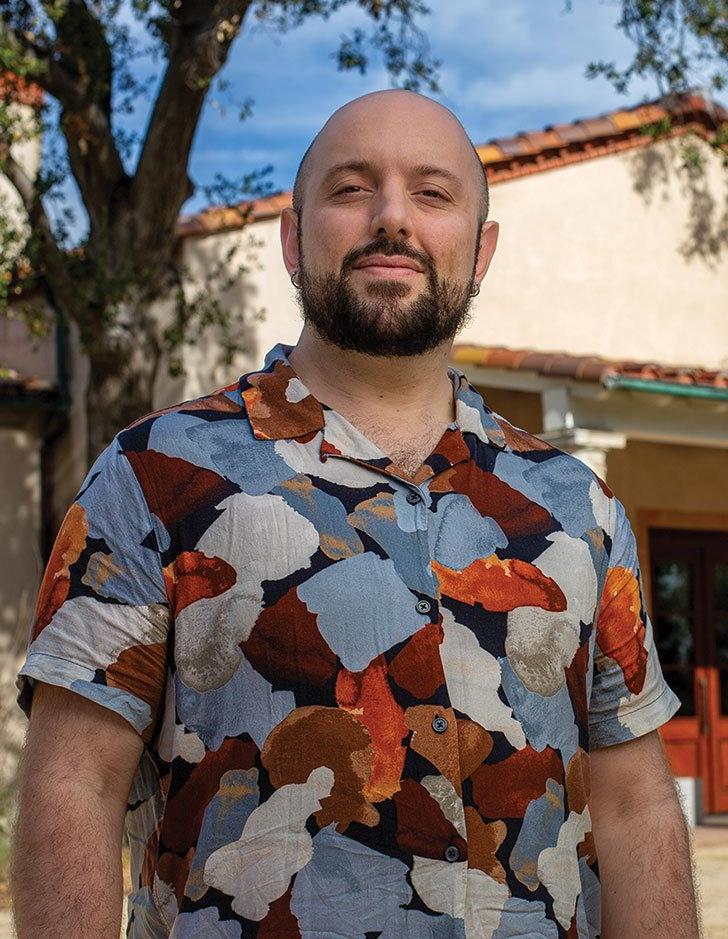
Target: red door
[[690, 618]]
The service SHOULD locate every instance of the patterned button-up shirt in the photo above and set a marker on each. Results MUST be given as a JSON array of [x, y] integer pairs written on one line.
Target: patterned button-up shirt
[[367, 698]]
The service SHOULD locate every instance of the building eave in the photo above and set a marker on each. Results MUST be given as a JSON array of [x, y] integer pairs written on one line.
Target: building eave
[[506, 158]]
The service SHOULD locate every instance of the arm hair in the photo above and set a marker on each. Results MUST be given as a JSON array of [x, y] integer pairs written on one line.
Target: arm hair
[[76, 772], [642, 841]]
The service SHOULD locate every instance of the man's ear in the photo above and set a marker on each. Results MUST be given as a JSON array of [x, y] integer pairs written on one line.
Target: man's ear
[[488, 241], [289, 240]]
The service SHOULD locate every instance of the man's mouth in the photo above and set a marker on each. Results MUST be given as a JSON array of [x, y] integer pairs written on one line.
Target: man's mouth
[[397, 266]]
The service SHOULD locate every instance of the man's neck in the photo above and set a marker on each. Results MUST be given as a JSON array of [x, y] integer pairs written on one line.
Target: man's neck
[[402, 388]]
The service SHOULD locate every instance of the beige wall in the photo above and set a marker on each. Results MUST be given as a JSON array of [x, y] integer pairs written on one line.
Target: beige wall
[[20, 569], [21, 354], [588, 264], [665, 476], [264, 298], [19, 526]]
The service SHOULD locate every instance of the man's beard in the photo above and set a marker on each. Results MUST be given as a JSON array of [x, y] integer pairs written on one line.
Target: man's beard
[[384, 323]]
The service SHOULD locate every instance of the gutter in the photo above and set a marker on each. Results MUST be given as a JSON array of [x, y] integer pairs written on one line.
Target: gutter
[[666, 388]]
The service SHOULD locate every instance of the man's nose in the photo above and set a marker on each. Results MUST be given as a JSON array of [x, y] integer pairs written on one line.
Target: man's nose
[[391, 215]]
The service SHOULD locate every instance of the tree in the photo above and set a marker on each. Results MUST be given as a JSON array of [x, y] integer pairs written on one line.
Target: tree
[[680, 44], [677, 42], [82, 54]]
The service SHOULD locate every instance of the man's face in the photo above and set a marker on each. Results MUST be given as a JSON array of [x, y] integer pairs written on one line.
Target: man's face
[[388, 240]]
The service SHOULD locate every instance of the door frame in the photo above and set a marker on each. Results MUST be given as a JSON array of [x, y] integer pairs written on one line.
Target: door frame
[[645, 519]]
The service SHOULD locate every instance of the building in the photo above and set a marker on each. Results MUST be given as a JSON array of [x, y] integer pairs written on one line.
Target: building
[[602, 325]]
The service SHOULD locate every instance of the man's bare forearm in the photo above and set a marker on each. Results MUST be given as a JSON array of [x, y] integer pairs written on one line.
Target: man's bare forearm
[[646, 873], [66, 872]]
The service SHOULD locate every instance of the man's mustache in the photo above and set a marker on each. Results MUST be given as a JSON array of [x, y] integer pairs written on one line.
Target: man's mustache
[[387, 248]]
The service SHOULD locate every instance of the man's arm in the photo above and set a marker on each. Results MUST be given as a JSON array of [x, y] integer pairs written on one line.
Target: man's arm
[[77, 769], [642, 843]]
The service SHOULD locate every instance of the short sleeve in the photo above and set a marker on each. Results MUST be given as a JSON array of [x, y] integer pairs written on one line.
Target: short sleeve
[[629, 695], [102, 616]]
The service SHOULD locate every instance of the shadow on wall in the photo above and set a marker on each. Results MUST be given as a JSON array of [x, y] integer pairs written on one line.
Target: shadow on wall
[[688, 163], [20, 569], [222, 332]]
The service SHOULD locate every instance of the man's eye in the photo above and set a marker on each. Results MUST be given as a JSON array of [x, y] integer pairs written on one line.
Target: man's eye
[[432, 192], [346, 189]]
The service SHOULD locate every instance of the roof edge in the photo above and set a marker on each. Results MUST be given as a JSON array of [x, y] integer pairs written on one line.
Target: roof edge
[[506, 158], [610, 373]]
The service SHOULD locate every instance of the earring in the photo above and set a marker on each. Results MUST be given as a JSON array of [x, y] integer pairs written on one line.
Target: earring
[[475, 289], [296, 283]]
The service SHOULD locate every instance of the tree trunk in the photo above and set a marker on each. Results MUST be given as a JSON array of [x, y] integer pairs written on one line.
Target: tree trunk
[[120, 390]]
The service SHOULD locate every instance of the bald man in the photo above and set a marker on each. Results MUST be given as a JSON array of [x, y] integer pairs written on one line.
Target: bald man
[[349, 653]]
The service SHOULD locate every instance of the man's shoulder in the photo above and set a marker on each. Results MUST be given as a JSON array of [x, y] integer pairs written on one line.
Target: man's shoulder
[[543, 456], [184, 456], [226, 403]]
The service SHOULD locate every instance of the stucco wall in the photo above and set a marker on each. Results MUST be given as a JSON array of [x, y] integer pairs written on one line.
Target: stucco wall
[[665, 476], [263, 298], [20, 569], [24, 355], [19, 526], [588, 263]]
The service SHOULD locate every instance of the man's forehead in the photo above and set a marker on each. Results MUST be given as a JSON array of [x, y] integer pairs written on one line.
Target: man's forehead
[[404, 129]]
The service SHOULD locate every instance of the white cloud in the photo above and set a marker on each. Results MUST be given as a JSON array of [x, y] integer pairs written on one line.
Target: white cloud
[[532, 87], [240, 156]]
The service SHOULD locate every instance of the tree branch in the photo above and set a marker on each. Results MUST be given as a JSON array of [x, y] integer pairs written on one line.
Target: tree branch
[[76, 69], [201, 37], [84, 55], [94, 159], [43, 68]]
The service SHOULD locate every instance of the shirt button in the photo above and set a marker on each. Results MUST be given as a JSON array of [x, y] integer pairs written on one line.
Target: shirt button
[[440, 725], [423, 606], [452, 853], [413, 497]]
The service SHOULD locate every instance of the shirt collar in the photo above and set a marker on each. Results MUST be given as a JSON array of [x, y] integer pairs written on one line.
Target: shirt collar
[[280, 407]]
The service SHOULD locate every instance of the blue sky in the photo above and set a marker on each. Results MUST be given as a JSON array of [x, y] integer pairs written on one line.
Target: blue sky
[[508, 66]]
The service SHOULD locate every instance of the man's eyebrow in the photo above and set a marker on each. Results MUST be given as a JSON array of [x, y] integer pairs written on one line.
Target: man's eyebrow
[[362, 166], [351, 166], [427, 170]]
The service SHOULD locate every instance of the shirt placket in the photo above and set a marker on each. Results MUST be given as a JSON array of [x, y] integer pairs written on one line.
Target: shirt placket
[[441, 725]]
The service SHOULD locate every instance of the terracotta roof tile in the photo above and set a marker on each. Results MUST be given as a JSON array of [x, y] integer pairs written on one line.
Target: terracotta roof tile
[[598, 127], [626, 120], [592, 368], [650, 113], [684, 104], [515, 146], [488, 153], [226, 218], [543, 139], [571, 133], [505, 158]]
